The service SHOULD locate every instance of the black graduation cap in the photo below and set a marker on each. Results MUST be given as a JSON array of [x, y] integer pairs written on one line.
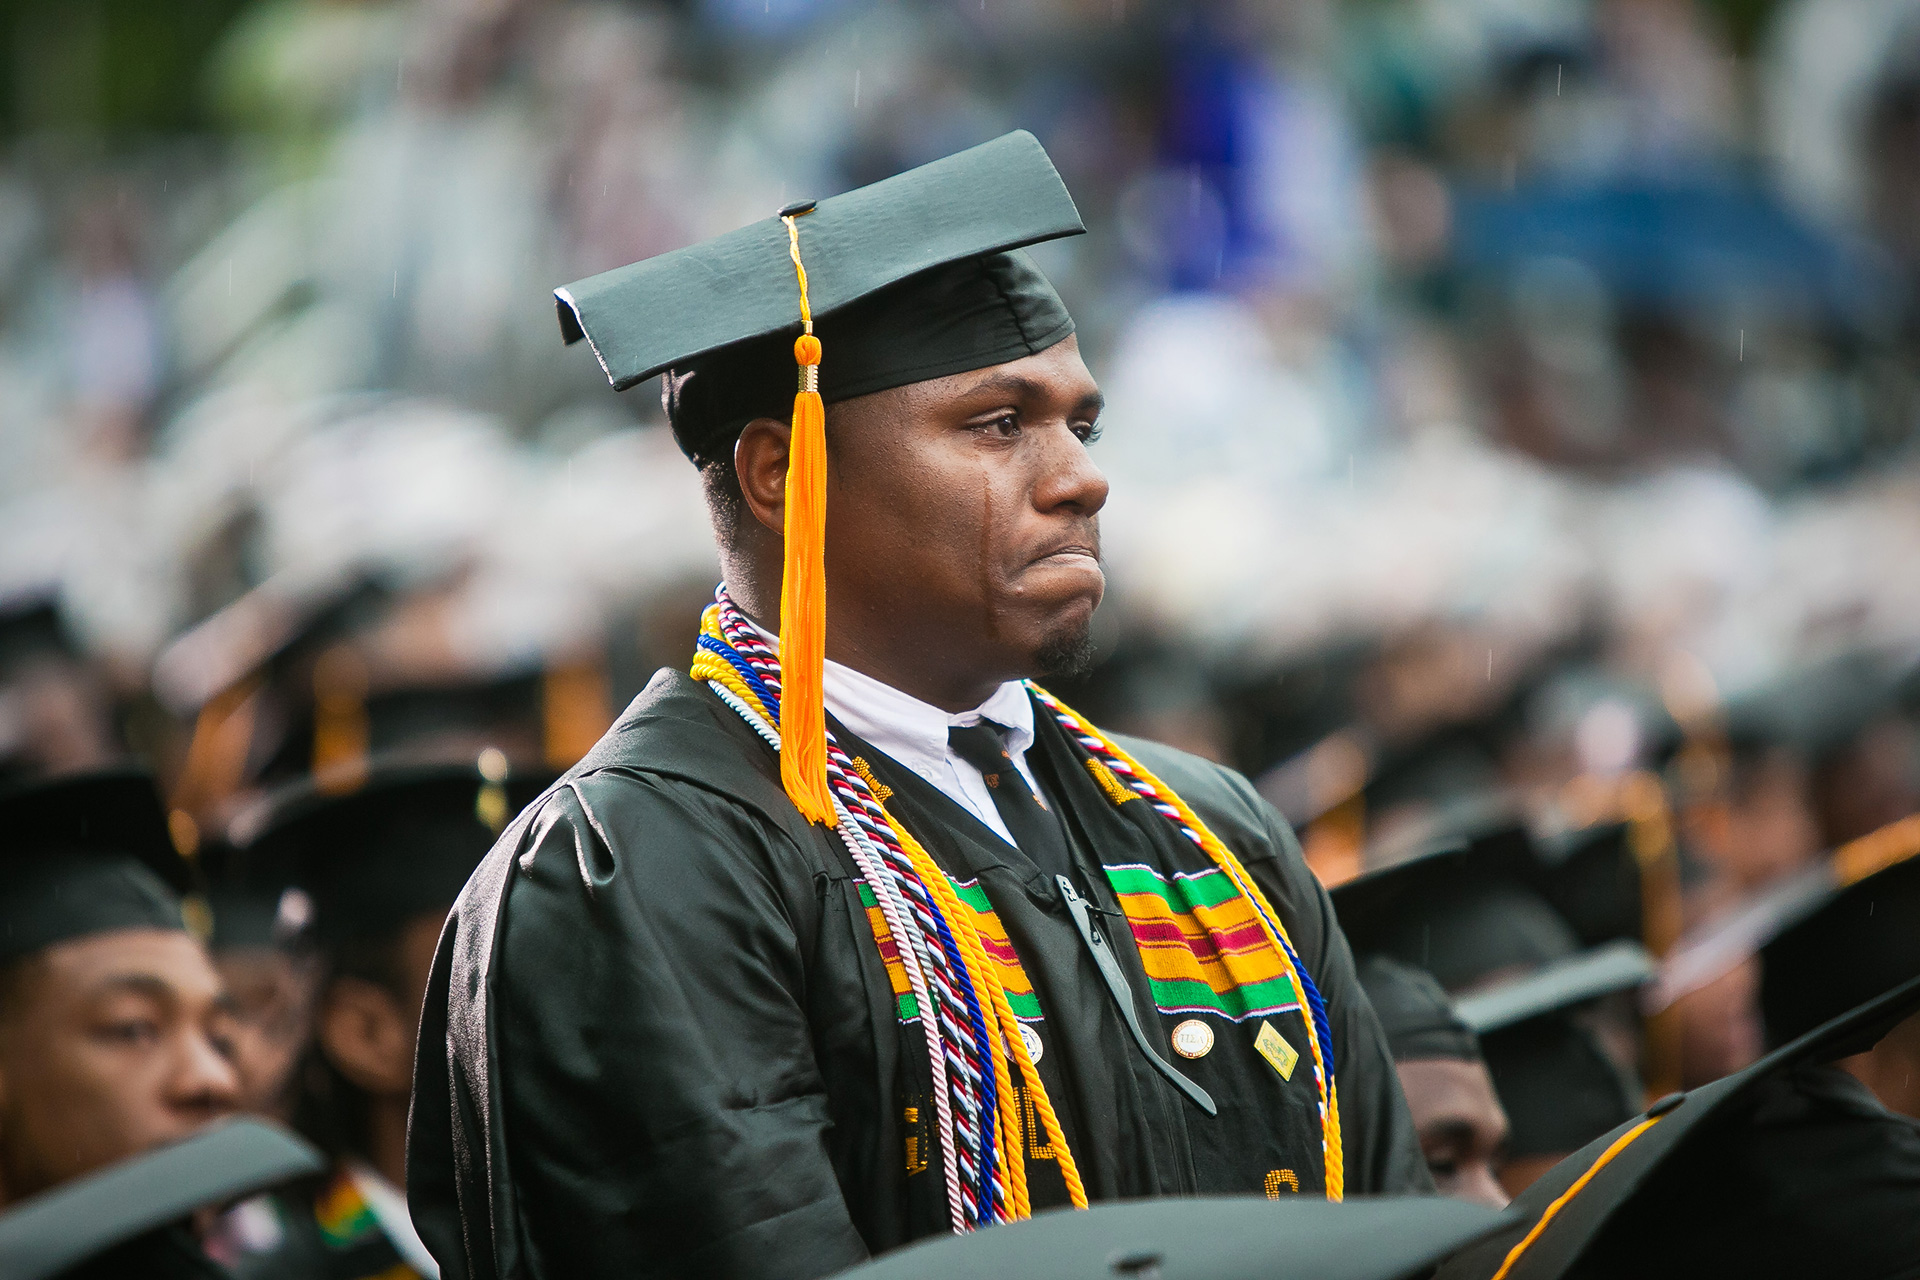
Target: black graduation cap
[[78, 1220], [1862, 940], [398, 844], [1207, 1238], [914, 277], [1464, 905], [1766, 1172], [1418, 1019], [1830, 936], [83, 854], [254, 901]]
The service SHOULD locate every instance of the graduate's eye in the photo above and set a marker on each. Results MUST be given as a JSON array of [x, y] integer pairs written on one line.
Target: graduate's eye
[[1006, 426], [1089, 432]]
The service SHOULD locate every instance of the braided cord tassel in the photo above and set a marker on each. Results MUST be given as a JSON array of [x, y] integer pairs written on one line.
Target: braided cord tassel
[[1010, 1031], [1168, 803], [965, 1010]]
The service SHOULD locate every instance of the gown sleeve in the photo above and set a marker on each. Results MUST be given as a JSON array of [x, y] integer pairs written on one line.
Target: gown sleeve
[[660, 1108]]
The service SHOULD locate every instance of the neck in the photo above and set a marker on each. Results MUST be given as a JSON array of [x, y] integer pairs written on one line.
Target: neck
[[387, 1137], [892, 659]]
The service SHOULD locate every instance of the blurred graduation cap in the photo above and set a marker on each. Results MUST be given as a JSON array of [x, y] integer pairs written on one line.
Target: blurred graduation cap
[[1861, 940], [1462, 904], [254, 901], [85, 854], [30, 627], [1419, 1020], [394, 845], [66, 1226], [1834, 903], [1207, 1238], [1734, 1178]]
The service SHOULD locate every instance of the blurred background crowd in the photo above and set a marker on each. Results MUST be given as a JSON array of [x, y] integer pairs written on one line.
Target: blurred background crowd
[[1508, 399]]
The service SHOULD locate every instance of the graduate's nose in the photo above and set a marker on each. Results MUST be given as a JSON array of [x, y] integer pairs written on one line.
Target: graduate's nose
[[1069, 479]]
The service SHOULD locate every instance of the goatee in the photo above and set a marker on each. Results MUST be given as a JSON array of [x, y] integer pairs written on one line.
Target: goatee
[[1068, 655]]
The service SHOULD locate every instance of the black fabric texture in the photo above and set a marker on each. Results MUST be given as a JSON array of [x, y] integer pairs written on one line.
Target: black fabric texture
[[965, 315], [1415, 1013], [659, 1039]]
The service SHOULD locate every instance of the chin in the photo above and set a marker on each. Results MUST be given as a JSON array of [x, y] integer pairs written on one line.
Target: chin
[[1067, 653]]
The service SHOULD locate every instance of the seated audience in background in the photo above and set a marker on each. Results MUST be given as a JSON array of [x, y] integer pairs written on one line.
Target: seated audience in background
[[1459, 1121]]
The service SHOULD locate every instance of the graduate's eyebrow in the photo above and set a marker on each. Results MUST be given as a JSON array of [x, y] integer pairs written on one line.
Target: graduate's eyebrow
[[1019, 386]]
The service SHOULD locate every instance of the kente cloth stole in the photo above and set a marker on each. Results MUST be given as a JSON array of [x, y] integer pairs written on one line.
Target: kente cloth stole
[[1207, 937]]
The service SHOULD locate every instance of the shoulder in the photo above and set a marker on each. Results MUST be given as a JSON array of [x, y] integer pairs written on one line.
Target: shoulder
[[1225, 800], [678, 762]]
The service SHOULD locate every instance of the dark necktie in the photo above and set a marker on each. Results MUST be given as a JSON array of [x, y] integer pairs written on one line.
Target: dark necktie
[[1036, 828]]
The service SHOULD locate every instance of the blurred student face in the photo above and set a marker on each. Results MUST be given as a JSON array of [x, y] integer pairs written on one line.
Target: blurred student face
[[109, 1045], [272, 997], [1459, 1123]]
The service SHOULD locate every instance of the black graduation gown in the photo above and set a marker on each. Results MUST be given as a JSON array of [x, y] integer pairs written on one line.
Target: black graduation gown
[[659, 1039], [1810, 1176]]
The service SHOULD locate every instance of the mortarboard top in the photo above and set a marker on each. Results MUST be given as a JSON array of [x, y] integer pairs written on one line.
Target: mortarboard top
[[285, 618], [1854, 879], [1418, 1019], [399, 844], [1205, 1238], [1584, 1209], [84, 854], [1614, 966], [1463, 906], [667, 311], [1863, 938], [57, 1229]]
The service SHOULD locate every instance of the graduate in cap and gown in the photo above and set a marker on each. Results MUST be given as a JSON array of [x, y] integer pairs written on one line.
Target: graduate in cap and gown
[[851, 933], [378, 860], [113, 1023], [1456, 1112]]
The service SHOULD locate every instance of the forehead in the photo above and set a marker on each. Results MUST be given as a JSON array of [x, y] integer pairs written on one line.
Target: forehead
[[1057, 376], [159, 960], [1449, 1089]]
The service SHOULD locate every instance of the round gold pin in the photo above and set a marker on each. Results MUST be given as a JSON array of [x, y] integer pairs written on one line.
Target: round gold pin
[[1193, 1039]]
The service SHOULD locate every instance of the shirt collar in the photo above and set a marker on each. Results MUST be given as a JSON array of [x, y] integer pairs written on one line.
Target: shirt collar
[[909, 730]]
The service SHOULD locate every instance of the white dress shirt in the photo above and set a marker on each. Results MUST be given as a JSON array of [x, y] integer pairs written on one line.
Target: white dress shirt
[[914, 733]]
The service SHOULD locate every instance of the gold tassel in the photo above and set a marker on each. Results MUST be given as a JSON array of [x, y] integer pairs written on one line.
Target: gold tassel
[[803, 586]]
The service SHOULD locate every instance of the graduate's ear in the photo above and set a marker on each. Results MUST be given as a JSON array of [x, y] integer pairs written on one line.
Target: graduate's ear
[[760, 461], [365, 1034]]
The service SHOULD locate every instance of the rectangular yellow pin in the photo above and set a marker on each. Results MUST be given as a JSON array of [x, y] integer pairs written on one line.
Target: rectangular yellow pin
[[1274, 1048]]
